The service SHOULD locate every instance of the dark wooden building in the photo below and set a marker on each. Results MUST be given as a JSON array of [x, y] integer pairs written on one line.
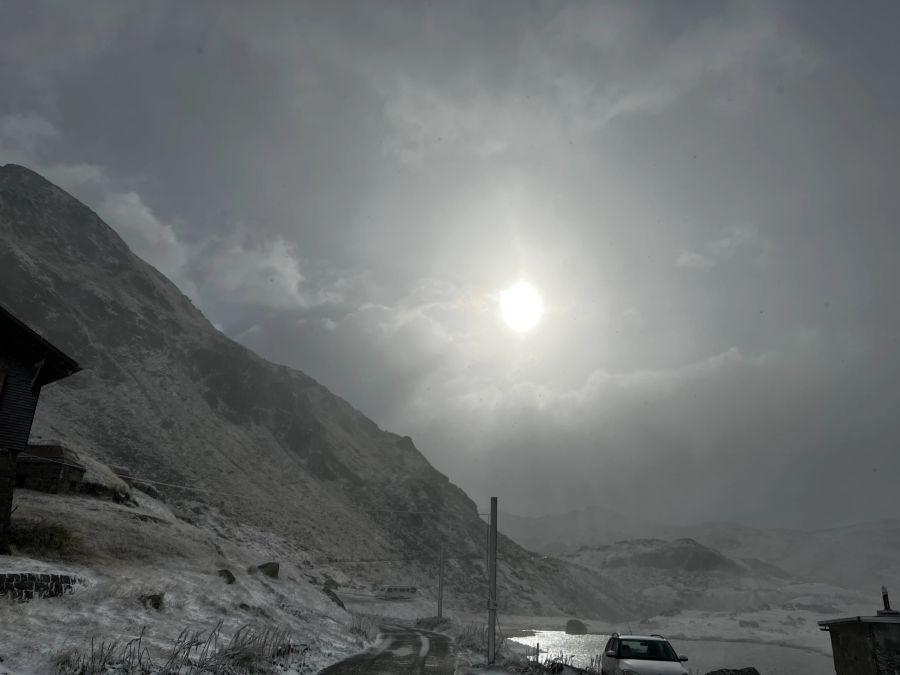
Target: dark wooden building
[[28, 362], [866, 645], [49, 467]]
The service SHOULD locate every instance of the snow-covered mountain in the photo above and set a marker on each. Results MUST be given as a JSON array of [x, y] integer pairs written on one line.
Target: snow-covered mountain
[[665, 576], [859, 557], [570, 531], [168, 396], [862, 556]]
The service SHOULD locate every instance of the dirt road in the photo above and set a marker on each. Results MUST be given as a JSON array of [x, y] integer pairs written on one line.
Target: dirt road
[[402, 651]]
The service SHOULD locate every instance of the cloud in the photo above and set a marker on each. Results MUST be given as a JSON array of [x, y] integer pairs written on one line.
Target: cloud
[[236, 267], [20, 135], [247, 336], [725, 246], [600, 390], [589, 148], [572, 81], [149, 237], [694, 260], [240, 269], [50, 39]]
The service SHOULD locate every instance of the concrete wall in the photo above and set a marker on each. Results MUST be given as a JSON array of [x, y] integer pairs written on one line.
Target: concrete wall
[[851, 648], [866, 648], [25, 586]]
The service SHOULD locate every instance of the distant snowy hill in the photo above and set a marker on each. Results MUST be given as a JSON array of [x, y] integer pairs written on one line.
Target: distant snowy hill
[[666, 576], [569, 531], [859, 557], [862, 556], [171, 398]]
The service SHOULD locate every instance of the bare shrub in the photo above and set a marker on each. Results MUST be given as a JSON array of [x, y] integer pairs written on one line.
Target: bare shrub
[[364, 626]]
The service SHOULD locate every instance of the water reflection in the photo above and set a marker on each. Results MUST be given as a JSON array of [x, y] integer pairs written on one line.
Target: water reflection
[[704, 655]]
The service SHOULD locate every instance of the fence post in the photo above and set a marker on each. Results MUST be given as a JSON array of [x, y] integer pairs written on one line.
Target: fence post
[[440, 607]]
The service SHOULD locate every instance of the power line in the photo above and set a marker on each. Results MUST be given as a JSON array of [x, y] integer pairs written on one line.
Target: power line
[[138, 479], [471, 556], [141, 479], [192, 488]]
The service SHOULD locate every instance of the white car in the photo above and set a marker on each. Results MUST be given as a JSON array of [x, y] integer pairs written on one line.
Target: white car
[[641, 655]]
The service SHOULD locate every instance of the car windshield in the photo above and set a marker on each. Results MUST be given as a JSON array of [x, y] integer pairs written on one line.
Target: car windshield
[[650, 650]]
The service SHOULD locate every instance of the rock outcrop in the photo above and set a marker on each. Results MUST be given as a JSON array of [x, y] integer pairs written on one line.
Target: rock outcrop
[[575, 627]]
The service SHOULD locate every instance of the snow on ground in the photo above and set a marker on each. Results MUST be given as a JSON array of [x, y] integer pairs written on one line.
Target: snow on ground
[[798, 629], [126, 552]]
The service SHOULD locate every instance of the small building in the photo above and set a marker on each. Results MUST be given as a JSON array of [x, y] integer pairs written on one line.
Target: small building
[[866, 645], [49, 467], [28, 362]]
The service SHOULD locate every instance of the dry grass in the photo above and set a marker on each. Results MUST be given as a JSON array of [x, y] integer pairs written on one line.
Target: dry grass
[[474, 637], [103, 532], [365, 626], [269, 650], [43, 539], [434, 623]]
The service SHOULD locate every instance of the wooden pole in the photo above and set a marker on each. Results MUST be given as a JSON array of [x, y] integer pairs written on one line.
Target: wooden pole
[[440, 609], [7, 484], [492, 585]]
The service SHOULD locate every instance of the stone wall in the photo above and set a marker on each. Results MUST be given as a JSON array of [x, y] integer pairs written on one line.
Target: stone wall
[[29, 585], [45, 476]]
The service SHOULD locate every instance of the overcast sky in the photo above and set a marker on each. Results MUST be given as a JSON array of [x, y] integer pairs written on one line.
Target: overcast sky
[[704, 193]]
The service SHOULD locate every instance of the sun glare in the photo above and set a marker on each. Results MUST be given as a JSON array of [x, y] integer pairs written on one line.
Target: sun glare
[[521, 307]]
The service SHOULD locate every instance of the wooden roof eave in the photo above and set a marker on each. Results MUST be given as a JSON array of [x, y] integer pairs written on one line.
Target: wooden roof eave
[[52, 363]]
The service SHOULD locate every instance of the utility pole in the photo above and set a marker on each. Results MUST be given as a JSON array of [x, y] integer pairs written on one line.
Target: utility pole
[[492, 585], [440, 612]]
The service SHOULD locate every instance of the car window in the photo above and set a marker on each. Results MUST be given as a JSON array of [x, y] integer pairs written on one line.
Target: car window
[[650, 650]]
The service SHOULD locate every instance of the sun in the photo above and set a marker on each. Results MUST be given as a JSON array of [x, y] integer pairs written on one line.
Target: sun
[[521, 306]]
